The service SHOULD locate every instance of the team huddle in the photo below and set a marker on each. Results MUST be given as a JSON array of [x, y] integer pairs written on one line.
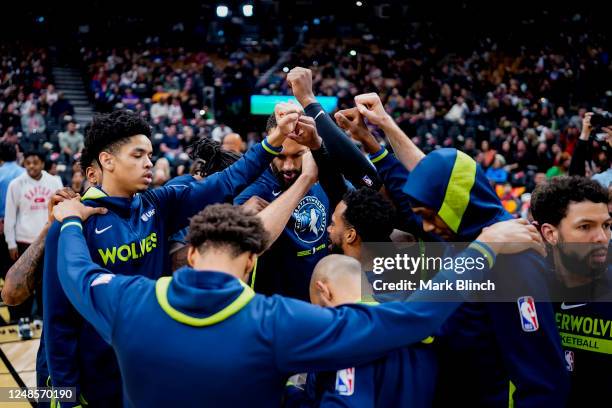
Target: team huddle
[[216, 288]]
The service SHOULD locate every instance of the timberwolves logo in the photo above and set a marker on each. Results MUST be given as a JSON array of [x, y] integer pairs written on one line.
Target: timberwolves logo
[[310, 219]]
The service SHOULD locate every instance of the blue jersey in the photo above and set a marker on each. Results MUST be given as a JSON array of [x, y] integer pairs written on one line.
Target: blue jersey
[[585, 326], [180, 237], [403, 378], [205, 336], [131, 239], [286, 267]]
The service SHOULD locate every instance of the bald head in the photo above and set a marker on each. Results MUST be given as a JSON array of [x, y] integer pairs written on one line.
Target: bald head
[[336, 280], [233, 142]]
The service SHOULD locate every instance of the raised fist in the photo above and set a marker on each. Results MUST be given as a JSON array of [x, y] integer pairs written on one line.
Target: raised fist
[[300, 81]]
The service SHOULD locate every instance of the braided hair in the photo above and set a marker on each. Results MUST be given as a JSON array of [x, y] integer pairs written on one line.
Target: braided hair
[[209, 157]]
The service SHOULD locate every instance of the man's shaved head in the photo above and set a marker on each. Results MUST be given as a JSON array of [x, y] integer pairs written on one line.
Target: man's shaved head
[[336, 279]]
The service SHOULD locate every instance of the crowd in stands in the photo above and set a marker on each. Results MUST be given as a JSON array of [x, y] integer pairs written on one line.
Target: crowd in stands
[[184, 95], [518, 112], [34, 115]]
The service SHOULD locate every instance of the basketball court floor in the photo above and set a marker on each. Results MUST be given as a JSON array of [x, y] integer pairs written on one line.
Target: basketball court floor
[[17, 359]]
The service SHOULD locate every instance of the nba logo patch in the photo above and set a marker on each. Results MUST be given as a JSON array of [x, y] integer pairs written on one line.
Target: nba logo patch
[[569, 360], [345, 381], [528, 314], [368, 181]]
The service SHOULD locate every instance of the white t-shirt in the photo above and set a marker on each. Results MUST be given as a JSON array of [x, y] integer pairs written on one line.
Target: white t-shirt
[[26, 207]]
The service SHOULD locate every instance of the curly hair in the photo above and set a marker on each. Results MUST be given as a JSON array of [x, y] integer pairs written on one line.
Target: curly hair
[[370, 214], [209, 157], [8, 152], [225, 225], [86, 159], [549, 201], [110, 131], [41, 155]]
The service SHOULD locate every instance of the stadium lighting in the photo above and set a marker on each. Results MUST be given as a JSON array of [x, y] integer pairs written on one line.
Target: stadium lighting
[[358, 3], [247, 10], [222, 11]]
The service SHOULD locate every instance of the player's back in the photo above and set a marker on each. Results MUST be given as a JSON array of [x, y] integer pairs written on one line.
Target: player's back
[[173, 354]]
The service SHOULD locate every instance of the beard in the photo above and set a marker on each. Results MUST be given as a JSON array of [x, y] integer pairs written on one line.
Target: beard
[[583, 262], [286, 178], [335, 248]]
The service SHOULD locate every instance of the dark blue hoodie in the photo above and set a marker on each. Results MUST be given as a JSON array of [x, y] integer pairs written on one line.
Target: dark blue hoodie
[[131, 239], [486, 356], [205, 338]]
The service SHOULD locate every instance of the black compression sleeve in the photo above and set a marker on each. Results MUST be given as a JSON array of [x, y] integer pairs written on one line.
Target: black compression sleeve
[[330, 177], [354, 165]]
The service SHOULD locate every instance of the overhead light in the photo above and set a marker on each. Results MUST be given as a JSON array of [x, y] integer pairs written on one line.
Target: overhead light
[[247, 10], [358, 4], [222, 11], [352, 53], [286, 69]]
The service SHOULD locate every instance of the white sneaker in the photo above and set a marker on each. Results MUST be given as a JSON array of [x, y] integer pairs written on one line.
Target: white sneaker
[[25, 331]]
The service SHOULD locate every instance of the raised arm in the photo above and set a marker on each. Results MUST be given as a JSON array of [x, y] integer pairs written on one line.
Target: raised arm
[[581, 151], [179, 203], [330, 177], [342, 150], [371, 107]]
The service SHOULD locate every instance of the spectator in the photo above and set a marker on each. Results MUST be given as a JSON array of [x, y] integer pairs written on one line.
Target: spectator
[[10, 118], [489, 154], [175, 112], [186, 138], [233, 143], [71, 141], [159, 110], [51, 95], [171, 145], [561, 168], [161, 172], [130, 100], [61, 108], [220, 131], [26, 213], [33, 122], [497, 174], [78, 182], [543, 158], [457, 112]]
